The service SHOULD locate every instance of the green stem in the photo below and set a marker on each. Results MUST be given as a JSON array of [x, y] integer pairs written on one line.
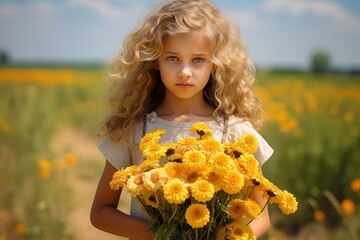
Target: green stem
[[218, 226], [211, 217], [252, 190], [161, 207], [247, 190], [174, 212]]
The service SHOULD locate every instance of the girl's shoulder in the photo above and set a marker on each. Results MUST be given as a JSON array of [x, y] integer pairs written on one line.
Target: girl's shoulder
[[239, 124]]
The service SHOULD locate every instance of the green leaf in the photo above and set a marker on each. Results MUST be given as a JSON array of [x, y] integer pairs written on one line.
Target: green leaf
[[169, 231], [165, 231], [154, 228]]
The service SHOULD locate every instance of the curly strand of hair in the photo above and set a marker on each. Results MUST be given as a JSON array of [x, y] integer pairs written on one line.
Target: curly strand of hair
[[230, 89]]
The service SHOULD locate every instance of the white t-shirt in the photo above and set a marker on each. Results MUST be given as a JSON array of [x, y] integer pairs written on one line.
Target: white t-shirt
[[121, 155]]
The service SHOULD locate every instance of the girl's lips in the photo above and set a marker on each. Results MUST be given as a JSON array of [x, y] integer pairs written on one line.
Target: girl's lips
[[184, 85]]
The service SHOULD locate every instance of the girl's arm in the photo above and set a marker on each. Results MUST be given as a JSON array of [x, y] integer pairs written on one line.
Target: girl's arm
[[261, 225], [105, 215]]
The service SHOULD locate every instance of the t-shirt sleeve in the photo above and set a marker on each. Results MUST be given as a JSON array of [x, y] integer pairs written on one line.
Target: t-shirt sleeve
[[264, 151], [239, 127], [116, 152]]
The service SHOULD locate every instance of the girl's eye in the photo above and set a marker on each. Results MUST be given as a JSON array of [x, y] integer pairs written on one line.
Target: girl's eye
[[172, 58], [198, 60]]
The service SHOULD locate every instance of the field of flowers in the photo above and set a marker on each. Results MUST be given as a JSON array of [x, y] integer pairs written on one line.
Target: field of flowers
[[314, 129], [35, 197], [313, 125]]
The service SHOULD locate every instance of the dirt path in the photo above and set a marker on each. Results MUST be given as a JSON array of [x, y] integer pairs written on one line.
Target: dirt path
[[83, 184]]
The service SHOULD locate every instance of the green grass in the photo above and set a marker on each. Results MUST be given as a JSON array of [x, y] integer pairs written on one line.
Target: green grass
[[317, 154]]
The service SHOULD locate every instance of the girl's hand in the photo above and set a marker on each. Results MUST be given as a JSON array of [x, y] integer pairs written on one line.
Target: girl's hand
[[106, 217]]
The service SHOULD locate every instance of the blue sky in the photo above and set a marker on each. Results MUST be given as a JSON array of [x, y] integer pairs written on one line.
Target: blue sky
[[278, 32]]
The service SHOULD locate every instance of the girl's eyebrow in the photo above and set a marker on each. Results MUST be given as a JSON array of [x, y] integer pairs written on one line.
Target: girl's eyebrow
[[170, 52], [195, 54]]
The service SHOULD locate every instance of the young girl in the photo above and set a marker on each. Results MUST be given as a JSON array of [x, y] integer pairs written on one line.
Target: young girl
[[187, 63]]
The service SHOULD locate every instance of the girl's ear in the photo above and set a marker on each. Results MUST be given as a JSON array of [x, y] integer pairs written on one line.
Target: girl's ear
[[156, 65]]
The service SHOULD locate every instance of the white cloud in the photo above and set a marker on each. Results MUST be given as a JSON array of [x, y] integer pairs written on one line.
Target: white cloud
[[14, 10], [246, 17], [322, 8], [44, 7], [32, 14], [8, 9], [103, 8]]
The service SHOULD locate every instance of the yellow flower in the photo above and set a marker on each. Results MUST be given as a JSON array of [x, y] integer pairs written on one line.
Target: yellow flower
[[133, 170], [148, 164], [215, 179], [247, 164], [221, 234], [194, 160], [192, 171], [44, 173], [175, 191], [210, 146], [248, 142], [44, 164], [236, 208], [197, 215], [201, 129], [288, 203], [154, 179], [151, 138], [319, 216], [253, 180], [5, 125], [20, 228], [45, 168], [119, 178], [135, 185], [221, 163], [355, 185], [233, 182], [239, 208], [175, 170], [151, 201], [253, 209], [186, 144], [70, 159], [170, 148], [347, 207], [176, 157], [239, 231], [153, 151], [191, 177], [202, 190], [233, 150], [269, 189]]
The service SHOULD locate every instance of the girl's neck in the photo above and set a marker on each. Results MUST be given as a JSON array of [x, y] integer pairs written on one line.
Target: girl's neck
[[184, 111]]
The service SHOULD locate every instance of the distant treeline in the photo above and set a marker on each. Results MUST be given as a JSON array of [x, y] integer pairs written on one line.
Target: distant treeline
[[355, 70], [84, 65], [99, 65]]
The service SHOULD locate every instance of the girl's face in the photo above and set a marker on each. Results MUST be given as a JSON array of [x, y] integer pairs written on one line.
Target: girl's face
[[185, 65]]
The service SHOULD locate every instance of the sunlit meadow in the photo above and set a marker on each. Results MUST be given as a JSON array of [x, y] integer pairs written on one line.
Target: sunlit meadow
[[313, 125], [35, 197]]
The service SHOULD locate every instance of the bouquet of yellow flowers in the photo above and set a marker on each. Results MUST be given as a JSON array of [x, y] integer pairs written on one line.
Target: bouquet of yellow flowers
[[199, 188]]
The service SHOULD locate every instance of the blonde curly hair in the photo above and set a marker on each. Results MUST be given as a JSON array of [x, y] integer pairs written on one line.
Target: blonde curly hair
[[135, 84]]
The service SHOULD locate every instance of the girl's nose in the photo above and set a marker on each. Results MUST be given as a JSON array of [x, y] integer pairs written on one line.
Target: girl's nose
[[185, 72]]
